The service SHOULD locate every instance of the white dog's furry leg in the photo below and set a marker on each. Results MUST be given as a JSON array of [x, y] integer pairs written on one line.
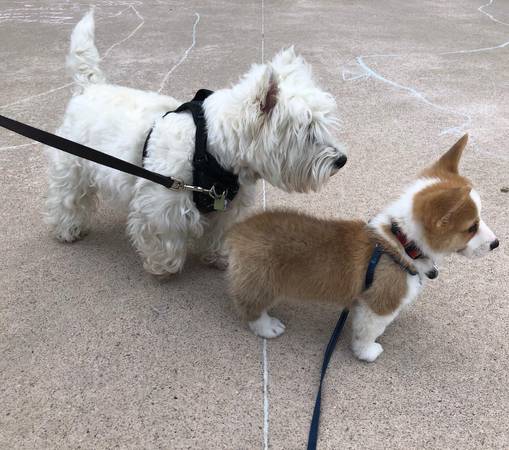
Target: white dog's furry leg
[[212, 244], [71, 198], [71, 195], [367, 326], [160, 224]]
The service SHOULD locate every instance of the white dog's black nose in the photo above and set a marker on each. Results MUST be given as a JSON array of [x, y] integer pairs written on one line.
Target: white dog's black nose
[[340, 162], [494, 244]]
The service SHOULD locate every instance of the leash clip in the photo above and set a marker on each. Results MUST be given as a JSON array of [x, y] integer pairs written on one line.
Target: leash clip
[[177, 185], [220, 201], [180, 185]]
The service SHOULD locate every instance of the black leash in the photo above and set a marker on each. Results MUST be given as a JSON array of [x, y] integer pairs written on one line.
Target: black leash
[[315, 421], [212, 187], [82, 151]]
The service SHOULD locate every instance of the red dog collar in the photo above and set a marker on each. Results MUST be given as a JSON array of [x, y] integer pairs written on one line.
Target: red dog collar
[[410, 247]]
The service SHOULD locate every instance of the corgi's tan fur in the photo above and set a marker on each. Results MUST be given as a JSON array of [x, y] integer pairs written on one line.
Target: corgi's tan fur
[[286, 255]]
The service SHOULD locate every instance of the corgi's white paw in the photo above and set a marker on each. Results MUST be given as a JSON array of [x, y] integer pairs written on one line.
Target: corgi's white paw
[[266, 326], [367, 352]]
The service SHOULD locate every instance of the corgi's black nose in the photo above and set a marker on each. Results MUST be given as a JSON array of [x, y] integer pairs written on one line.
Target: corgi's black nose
[[494, 244], [340, 162]]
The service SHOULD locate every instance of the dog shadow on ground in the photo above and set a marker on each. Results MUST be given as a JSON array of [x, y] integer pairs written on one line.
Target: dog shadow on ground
[[196, 295], [413, 342]]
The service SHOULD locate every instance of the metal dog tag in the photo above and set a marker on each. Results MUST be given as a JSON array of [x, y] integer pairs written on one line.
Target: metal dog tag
[[220, 202]]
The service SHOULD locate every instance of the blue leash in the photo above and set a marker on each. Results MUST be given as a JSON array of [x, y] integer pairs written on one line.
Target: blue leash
[[315, 421]]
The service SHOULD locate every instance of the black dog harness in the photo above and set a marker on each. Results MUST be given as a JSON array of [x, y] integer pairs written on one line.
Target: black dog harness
[[222, 185], [212, 186]]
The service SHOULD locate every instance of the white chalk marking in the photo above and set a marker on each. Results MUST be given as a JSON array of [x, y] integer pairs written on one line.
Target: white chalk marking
[[264, 195], [265, 395], [12, 147], [129, 36], [31, 97], [350, 76], [263, 32], [265, 360], [55, 14], [483, 49], [494, 19], [64, 86], [417, 94], [264, 190], [371, 73], [184, 56], [476, 50], [121, 12], [353, 75]]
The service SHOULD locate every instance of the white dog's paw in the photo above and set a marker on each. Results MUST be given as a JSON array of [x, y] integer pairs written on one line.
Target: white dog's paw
[[266, 326], [216, 261], [367, 352], [221, 264], [164, 277], [71, 234]]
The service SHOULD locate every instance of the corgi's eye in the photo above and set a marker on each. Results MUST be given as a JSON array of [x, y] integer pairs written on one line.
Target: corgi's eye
[[473, 229]]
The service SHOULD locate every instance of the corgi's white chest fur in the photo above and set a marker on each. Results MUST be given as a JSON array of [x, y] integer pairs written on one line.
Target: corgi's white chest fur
[[414, 287]]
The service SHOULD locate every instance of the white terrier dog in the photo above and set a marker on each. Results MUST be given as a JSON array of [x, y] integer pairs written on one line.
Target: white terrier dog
[[274, 124]]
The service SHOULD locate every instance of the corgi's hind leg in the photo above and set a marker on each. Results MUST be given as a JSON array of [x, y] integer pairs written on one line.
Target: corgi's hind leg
[[252, 298]]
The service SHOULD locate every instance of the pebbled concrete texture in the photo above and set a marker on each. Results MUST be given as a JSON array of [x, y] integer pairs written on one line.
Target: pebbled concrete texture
[[94, 353]]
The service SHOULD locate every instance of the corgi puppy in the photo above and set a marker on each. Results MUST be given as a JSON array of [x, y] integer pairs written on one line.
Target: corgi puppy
[[288, 255]]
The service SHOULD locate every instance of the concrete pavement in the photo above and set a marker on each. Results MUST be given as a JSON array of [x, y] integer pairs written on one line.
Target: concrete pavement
[[95, 353]]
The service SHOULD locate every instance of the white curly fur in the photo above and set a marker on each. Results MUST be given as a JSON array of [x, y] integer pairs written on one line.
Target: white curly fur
[[274, 124]]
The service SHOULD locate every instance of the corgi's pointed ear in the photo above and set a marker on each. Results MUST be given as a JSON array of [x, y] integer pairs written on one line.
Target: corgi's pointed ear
[[451, 200], [449, 162]]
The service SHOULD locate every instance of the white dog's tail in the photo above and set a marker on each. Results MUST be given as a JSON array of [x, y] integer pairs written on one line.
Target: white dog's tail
[[83, 59]]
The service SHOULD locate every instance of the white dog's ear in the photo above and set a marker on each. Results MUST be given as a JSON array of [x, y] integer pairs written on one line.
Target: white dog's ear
[[286, 56], [268, 90]]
